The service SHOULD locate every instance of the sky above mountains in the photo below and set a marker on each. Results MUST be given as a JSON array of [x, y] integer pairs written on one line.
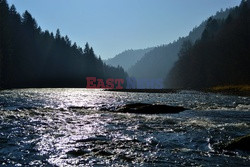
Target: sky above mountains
[[112, 26]]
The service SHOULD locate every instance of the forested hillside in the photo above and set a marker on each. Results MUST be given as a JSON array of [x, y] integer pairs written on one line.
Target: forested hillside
[[158, 62], [220, 57], [30, 57]]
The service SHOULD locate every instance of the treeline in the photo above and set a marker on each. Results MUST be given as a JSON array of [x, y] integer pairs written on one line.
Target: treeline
[[220, 57], [30, 57]]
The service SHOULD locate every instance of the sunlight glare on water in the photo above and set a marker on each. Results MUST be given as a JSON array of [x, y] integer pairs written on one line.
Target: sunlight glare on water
[[73, 127]]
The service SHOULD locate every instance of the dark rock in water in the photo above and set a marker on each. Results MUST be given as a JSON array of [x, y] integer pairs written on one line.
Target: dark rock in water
[[92, 139], [144, 108], [104, 153], [240, 143], [78, 107], [77, 153]]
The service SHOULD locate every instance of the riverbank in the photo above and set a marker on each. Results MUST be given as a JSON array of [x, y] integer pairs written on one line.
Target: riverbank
[[145, 90], [239, 90], [236, 90]]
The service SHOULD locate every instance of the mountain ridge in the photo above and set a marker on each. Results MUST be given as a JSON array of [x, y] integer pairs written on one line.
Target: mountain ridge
[[158, 62], [127, 58]]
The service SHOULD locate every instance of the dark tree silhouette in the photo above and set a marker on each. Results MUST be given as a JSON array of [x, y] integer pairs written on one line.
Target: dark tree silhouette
[[220, 57], [30, 57]]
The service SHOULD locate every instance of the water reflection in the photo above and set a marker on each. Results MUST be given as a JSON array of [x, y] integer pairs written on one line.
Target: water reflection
[[43, 127]]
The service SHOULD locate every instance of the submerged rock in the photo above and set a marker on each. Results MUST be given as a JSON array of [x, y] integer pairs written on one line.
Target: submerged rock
[[240, 143], [144, 108]]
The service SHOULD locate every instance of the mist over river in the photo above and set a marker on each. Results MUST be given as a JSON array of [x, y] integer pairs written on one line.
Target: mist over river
[[73, 127]]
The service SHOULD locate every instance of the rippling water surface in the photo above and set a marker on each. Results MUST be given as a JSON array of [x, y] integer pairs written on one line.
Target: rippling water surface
[[73, 127]]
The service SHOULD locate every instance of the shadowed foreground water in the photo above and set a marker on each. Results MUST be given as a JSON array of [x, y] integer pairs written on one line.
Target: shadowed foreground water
[[67, 127]]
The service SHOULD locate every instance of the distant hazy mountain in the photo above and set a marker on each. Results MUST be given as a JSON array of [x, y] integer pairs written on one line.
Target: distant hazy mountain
[[127, 58], [158, 62]]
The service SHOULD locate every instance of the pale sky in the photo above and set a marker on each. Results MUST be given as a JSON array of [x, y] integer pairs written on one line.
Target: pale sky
[[112, 26]]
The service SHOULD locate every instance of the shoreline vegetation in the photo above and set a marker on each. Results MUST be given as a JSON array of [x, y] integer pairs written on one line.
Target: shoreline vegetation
[[241, 90], [237, 90]]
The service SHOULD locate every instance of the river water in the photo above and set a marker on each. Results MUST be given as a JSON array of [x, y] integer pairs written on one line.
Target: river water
[[73, 127]]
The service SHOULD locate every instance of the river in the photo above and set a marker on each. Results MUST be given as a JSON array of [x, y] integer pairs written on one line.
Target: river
[[73, 127]]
